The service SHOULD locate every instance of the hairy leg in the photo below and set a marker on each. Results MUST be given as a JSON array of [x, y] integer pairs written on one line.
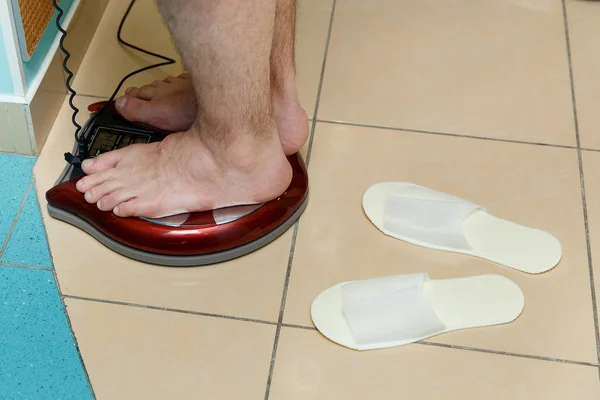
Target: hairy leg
[[171, 104], [292, 121], [232, 153]]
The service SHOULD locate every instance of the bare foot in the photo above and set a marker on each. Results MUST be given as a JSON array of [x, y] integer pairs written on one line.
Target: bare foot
[[171, 105], [186, 173], [292, 123]]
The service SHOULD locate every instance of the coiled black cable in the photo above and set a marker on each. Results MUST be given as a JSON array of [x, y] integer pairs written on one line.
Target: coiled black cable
[[82, 141], [67, 70]]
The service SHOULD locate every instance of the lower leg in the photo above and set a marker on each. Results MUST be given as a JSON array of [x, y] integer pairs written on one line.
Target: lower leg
[[226, 45], [292, 121], [232, 154], [171, 104]]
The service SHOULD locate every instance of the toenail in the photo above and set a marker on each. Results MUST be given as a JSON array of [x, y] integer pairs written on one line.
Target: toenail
[[88, 196], [116, 211], [87, 163], [128, 90], [121, 101]]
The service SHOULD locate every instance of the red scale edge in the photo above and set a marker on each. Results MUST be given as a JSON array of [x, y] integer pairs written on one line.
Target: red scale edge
[[199, 235]]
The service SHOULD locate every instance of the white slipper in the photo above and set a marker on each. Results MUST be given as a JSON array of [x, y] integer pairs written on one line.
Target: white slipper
[[401, 309], [428, 218]]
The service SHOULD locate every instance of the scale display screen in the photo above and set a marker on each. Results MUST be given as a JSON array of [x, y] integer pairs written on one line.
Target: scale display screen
[[107, 139]]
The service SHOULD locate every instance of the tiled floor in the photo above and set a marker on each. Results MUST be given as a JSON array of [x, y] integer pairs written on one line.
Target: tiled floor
[[491, 101], [38, 357]]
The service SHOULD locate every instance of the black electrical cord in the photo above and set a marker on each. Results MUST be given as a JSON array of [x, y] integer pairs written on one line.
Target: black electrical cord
[[67, 70], [81, 141]]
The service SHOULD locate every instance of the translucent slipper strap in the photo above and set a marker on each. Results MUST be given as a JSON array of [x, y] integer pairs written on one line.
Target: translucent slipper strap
[[436, 222], [389, 309]]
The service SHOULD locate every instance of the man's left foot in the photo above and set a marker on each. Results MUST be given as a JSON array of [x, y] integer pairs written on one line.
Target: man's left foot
[[187, 172], [169, 104]]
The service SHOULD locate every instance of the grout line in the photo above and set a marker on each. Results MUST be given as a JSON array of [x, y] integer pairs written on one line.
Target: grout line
[[321, 80], [476, 349], [174, 310], [73, 336], [582, 182], [281, 310], [5, 264], [308, 328], [62, 300], [17, 215], [297, 224], [311, 138], [391, 128], [509, 354], [586, 149]]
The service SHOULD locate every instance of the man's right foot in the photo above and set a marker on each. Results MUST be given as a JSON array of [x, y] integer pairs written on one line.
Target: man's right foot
[[171, 105], [292, 123]]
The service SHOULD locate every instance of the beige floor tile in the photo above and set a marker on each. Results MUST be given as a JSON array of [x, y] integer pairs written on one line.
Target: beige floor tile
[[532, 185], [584, 33], [310, 367], [250, 286], [591, 165], [99, 74], [311, 36], [106, 61], [492, 69], [136, 353]]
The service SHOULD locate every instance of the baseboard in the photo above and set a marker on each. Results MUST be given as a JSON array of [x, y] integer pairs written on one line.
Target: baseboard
[[25, 126]]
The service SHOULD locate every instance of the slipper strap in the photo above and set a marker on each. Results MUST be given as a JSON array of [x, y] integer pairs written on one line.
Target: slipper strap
[[389, 309], [428, 218]]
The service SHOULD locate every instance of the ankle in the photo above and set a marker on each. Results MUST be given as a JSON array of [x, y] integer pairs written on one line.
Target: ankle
[[242, 147], [284, 90], [235, 122], [257, 156]]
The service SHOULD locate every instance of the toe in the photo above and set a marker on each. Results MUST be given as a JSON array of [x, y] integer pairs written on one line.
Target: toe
[[130, 208], [146, 92], [102, 162], [135, 109], [136, 207], [132, 92], [114, 199], [104, 189], [86, 183]]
